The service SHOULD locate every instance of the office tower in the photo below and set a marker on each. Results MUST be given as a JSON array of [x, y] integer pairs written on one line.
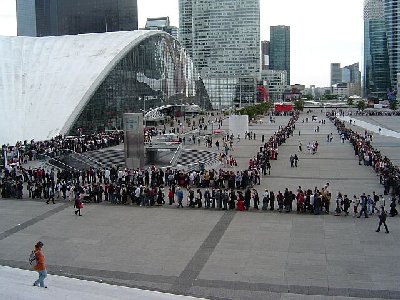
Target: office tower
[[275, 81], [376, 56], [280, 49], [346, 81], [163, 24], [265, 55], [68, 17], [392, 22], [224, 40], [336, 73], [186, 24]]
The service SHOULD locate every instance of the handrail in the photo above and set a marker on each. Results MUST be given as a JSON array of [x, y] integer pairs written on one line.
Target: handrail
[[58, 161], [88, 158], [85, 157], [171, 162]]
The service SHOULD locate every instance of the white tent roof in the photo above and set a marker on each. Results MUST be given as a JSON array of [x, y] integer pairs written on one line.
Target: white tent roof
[[46, 82]]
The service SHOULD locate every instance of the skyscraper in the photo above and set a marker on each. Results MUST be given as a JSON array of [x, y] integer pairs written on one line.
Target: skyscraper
[[265, 55], [392, 22], [186, 24], [280, 49], [376, 55], [65, 17], [163, 24], [223, 38], [336, 73]]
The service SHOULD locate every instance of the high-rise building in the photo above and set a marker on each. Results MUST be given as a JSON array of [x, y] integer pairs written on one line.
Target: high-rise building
[[68, 17], [265, 55], [347, 78], [376, 55], [336, 73], [163, 24], [392, 22], [186, 24], [280, 49], [224, 40], [275, 81]]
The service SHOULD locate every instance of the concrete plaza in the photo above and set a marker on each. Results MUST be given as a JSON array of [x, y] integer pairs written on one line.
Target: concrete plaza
[[224, 255]]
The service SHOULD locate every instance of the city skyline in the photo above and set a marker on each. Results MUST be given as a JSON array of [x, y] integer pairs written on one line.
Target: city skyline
[[321, 33]]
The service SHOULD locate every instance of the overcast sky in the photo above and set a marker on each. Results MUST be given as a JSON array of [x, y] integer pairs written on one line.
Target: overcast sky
[[322, 31]]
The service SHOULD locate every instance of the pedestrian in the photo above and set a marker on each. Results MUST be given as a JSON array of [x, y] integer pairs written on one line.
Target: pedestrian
[[382, 220], [393, 211], [296, 160], [179, 196], [40, 265], [364, 209], [256, 199], [171, 196], [78, 205]]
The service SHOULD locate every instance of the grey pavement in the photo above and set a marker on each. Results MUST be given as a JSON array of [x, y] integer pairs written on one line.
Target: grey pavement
[[224, 255]]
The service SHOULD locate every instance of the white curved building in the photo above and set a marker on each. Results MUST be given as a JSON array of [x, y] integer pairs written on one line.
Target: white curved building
[[55, 85]]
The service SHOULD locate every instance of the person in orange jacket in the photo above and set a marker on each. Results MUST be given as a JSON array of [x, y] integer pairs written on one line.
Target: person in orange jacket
[[40, 265]]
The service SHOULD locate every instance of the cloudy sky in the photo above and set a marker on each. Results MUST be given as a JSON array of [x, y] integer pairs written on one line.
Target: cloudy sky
[[322, 31]]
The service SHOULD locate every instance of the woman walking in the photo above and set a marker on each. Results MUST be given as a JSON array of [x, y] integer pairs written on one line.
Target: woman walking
[[78, 205], [40, 266]]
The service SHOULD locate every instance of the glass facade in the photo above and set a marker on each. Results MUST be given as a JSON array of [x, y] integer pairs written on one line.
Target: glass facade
[[280, 49], [186, 24], [336, 73], [392, 21], [156, 72], [224, 37], [376, 59], [66, 17]]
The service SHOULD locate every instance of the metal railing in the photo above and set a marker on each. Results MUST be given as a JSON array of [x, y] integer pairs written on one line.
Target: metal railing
[[176, 155]]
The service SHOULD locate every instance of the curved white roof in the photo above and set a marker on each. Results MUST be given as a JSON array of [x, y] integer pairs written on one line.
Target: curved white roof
[[46, 82]]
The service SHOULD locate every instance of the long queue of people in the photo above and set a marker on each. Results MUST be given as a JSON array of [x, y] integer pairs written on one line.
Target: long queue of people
[[25, 151], [97, 184], [367, 155]]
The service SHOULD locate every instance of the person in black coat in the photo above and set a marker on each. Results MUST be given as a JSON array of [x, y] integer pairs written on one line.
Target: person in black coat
[[247, 198], [393, 211], [382, 220]]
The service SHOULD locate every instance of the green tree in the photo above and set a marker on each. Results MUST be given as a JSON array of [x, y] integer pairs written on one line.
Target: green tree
[[361, 105], [299, 105], [393, 105], [350, 102]]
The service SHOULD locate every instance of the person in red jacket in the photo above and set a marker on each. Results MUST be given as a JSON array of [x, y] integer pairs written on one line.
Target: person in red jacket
[[40, 265], [240, 203], [78, 205]]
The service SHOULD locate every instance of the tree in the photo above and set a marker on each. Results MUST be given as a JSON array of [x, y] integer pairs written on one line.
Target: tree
[[299, 105], [350, 102], [361, 105], [393, 105]]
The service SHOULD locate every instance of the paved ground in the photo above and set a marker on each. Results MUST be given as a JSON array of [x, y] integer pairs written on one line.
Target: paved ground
[[223, 255]]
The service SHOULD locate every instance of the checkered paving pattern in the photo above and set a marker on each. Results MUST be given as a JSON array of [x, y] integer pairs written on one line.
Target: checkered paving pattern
[[108, 158], [193, 156]]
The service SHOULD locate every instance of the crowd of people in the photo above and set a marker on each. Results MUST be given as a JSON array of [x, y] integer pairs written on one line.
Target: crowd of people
[[367, 155], [121, 186], [370, 112], [25, 151], [219, 189]]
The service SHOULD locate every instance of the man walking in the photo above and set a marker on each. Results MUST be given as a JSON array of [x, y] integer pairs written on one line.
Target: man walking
[[179, 196], [40, 266], [364, 202], [382, 220]]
